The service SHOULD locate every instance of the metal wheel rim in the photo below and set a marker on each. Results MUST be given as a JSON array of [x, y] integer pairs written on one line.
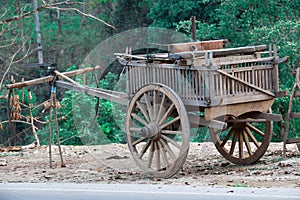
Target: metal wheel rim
[[149, 135]]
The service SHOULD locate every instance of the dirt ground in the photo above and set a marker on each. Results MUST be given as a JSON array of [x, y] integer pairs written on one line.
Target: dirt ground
[[113, 164]]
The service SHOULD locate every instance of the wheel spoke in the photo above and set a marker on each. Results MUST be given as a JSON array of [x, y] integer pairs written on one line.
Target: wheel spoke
[[151, 154], [171, 141], [138, 118], [246, 140], [171, 132], [241, 150], [145, 148], [161, 109], [155, 105], [233, 143], [170, 122], [144, 112], [157, 157], [256, 129], [228, 136], [168, 149], [157, 111], [139, 141], [252, 137], [163, 153], [148, 104], [245, 147], [167, 114]]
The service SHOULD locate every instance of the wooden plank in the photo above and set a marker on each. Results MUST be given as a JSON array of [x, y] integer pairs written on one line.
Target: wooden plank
[[268, 59], [275, 72], [265, 116], [243, 98], [222, 52], [237, 109], [246, 83], [247, 120], [198, 121], [292, 140], [282, 93], [50, 78], [198, 61], [295, 115], [201, 45]]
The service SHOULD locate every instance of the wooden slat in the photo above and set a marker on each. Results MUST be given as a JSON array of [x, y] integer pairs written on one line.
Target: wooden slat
[[281, 94], [292, 140], [238, 108], [243, 98], [295, 115], [197, 121], [264, 116], [223, 52], [268, 59]]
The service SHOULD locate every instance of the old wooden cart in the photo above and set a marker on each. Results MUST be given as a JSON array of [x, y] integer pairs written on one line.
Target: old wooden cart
[[198, 84]]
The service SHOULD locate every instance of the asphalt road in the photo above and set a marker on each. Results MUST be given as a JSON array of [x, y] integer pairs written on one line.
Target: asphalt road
[[69, 191]]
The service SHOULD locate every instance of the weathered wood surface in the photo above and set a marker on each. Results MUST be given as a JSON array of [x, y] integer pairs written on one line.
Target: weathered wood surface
[[246, 83], [50, 78], [223, 52], [198, 54], [117, 97], [198, 121], [238, 109], [198, 46]]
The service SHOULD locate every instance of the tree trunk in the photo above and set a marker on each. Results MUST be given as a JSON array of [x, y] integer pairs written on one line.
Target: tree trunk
[[58, 23], [83, 21], [38, 33], [21, 25]]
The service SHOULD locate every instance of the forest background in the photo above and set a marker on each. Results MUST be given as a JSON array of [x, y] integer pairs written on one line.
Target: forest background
[[68, 39]]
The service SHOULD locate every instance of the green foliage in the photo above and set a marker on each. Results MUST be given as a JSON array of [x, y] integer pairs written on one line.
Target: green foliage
[[77, 125], [130, 14], [242, 22], [166, 13], [257, 22]]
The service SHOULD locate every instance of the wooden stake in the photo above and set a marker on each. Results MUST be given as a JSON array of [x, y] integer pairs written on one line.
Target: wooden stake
[[56, 128]]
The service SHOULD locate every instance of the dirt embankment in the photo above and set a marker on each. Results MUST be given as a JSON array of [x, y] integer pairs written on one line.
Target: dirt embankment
[[113, 164]]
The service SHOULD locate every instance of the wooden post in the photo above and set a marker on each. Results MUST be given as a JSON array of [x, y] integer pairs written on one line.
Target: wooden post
[[275, 71], [38, 32], [58, 23], [194, 28]]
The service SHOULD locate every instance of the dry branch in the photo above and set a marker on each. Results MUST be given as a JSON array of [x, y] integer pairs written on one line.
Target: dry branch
[[50, 78], [54, 6], [10, 64]]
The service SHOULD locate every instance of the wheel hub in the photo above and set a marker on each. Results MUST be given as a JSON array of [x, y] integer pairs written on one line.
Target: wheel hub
[[152, 130]]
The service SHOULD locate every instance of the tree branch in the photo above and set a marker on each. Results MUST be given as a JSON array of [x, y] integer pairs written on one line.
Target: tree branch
[[84, 14], [55, 6], [10, 64]]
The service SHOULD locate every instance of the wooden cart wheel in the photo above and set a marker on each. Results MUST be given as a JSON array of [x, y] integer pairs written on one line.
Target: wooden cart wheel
[[158, 130], [243, 142]]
